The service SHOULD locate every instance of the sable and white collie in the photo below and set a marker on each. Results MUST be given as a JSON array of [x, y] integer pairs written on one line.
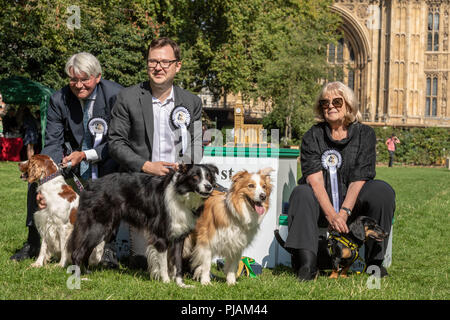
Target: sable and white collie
[[55, 222], [229, 223], [166, 208]]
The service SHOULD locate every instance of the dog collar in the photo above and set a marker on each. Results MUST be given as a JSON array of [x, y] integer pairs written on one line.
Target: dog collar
[[49, 177]]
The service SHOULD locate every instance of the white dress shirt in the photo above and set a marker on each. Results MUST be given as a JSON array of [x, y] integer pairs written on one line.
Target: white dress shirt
[[163, 137]]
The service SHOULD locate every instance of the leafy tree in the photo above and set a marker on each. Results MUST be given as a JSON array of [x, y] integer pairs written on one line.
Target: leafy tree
[[268, 49]]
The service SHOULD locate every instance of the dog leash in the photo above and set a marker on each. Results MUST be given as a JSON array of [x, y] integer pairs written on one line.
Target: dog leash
[[68, 166]]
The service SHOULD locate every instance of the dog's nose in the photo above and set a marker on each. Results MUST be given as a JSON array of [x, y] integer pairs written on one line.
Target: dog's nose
[[262, 196], [208, 187]]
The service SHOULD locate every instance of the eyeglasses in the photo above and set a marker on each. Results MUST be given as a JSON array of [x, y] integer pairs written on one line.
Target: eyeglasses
[[83, 81], [336, 102], [152, 63]]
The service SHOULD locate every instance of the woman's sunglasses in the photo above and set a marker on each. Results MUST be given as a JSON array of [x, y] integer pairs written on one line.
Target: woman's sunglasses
[[337, 102]]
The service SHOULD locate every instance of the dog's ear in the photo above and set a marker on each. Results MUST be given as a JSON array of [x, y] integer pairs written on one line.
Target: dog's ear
[[23, 166], [239, 175], [357, 229], [265, 171], [213, 168], [184, 168]]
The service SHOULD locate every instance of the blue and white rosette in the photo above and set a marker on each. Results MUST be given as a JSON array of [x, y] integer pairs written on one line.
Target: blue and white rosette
[[331, 161], [98, 128], [181, 118]]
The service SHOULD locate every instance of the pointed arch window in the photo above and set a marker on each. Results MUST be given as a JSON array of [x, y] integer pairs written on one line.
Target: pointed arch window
[[433, 30], [341, 57], [431, 104]]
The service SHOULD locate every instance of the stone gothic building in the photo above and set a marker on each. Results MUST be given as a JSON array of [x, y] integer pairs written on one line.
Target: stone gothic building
[[395, 55]]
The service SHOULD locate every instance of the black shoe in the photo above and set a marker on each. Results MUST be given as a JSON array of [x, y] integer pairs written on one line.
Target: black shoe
[[304, 263], [31, 247], [28, 251], [109, 258]]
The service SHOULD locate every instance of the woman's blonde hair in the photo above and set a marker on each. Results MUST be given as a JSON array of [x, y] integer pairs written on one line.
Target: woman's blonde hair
[[352, 113]]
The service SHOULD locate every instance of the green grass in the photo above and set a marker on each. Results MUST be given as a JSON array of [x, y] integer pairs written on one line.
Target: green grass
[[420, 266]]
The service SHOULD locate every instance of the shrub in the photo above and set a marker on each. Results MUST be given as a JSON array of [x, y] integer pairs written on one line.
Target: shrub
[[419, 146]]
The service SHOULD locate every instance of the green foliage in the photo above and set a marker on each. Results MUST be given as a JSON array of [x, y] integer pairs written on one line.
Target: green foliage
[[268, 49], [36, 40], [419, 146]]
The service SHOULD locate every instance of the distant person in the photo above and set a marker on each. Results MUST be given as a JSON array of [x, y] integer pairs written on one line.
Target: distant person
[[38, 146], [29, 130], [3, 110], [10, 125], [391, 142]]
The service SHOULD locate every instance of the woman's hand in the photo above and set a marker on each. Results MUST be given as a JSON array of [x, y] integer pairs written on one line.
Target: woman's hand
[[338, 222]]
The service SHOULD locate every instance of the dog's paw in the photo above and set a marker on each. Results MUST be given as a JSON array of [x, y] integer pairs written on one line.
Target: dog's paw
[[181, 284], [334, 275], [36, 265], [231, 279]]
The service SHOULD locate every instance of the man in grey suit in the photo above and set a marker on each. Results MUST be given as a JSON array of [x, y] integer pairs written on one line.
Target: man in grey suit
[[156, 124], [88, 98]]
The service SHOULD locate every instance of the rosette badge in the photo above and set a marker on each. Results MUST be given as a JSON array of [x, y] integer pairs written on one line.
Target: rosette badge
[[331, 161], [181, 118], [98, 128]]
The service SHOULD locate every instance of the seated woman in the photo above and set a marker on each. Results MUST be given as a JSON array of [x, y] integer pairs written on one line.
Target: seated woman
[[337, 184]]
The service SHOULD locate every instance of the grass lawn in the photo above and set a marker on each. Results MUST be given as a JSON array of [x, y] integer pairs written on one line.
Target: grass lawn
[[420, 268]]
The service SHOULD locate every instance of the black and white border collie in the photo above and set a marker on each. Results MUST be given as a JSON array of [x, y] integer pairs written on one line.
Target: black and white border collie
[[166, 208]]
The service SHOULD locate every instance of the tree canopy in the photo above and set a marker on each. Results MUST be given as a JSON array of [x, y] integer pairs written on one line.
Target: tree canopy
[[274, 50]]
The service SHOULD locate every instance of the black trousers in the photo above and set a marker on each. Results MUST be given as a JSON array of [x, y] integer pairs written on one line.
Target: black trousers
[[391, 158], [376, 200]]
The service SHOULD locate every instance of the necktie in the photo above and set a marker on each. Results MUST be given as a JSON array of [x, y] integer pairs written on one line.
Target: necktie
[[85, 169]]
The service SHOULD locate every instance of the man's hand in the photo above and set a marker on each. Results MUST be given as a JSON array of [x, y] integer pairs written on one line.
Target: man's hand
[[158, 168], [42, 204], [75, 157]]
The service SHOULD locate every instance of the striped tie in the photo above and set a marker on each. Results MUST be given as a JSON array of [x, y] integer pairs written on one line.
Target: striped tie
[[85, 168]]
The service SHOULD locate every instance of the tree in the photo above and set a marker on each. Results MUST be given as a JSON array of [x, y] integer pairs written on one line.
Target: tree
[[273, 50], [291, 78]]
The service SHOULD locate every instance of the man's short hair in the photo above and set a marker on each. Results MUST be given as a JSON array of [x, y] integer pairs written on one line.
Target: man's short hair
[[162, 42], [83, 62]]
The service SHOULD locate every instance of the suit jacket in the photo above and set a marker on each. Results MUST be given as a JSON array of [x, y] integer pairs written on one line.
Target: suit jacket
[[65, 131], [131, 127]]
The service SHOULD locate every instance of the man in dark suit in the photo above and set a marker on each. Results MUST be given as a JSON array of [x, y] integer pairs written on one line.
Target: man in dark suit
[[68, 140], [156, 124]]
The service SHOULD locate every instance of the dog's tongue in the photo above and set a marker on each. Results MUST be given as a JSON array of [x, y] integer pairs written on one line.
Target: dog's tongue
[[259, 209]]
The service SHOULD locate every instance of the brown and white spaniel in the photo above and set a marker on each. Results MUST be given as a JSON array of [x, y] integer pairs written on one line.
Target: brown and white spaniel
[[55, 222]]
